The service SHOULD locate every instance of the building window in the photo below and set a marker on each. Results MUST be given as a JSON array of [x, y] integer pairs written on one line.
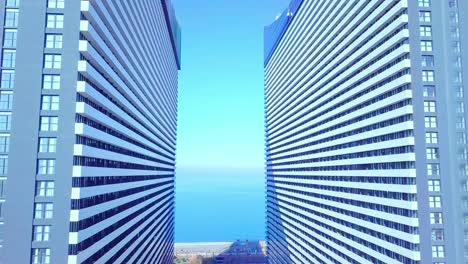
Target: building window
[[9, 58], [427, 76], [50, 102], [460, 122], [461, 138], [431, 138], [41, 233], [432, 153], [12, 3], [41, 256], [54, 21], [49, 123], [430, 122], [460, 107], [46, 166], [426, 45], [434, 185], [436, 218], [56, 3], [425, 31], [11, 18], [54, 41], [435, 202], [438, 252], [429, 91], [45, 188], [9, 38], [2, 188], [424, 3], [5, 122], [8, 79], [427, 61], [424, 16], [4, 144], [52, 61], [459, 91], [429, 106], [3, 165], [6, 101], [43, 210], [47, 145], [437, 234], [51, 82]]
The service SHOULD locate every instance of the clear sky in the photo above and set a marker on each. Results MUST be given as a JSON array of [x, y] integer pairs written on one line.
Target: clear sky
[[221, 82]]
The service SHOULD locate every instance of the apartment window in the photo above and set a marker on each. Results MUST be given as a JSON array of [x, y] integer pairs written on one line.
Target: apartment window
[[436, 218], [435, 202], [41, 233], [460, 107], [425, 31], [426, 45], [51, 82], [11, 18], [46, 166], [43, 210], [461, 138], [438, 252], [40, 256], [429, 91], [460, 122], [52, 61], [427, 61], [456, 47], [431, 138], [3, 165], [459, 91], [9, 58], [49, 123], [9, 38], [8, 79], [434, 185], [5, 122], [430, 122], [429, 106], [50, 102], [12, 3], [54, 21], [45, 188], [47, 145], [4, 144], [54, 41], [432, 153], [2, 188], [424, 3], [56, 3], [455, 31], [6, 101], [427, 76], [2, 204], [437, 234], [424, 16]]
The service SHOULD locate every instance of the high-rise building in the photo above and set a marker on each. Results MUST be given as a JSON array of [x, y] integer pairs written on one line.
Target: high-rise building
[[366, 138], [88, 113]]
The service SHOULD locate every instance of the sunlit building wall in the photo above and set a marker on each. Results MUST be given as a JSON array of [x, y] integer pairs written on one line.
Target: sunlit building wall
[[366, 151], [88, 115]]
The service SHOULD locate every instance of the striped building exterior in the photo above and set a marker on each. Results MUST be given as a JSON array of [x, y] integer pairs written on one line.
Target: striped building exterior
[[88, 117], [366, 150]]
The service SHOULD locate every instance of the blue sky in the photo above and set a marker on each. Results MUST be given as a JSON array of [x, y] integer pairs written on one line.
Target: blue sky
[[221, 82]]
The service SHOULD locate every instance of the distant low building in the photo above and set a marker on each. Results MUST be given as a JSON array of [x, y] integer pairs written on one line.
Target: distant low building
[[245, 252]]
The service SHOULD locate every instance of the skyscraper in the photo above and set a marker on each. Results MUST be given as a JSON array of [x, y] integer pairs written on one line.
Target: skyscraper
[[88, 116], [366, 149]]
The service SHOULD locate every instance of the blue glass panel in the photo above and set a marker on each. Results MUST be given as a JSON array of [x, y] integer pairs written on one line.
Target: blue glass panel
[[174, 29], [274, 32]]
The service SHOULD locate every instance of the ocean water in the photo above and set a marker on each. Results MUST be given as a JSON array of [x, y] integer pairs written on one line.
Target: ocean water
[[219, 206]]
